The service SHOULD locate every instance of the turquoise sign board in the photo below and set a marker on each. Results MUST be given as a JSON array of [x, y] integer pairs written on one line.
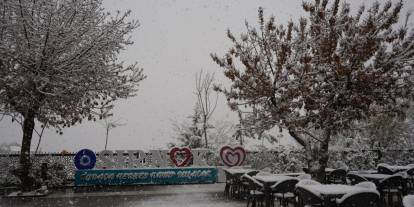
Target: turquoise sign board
[[184, 175]]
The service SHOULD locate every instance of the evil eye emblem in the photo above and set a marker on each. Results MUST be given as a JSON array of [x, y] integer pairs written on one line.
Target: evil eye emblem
[[85, 159]]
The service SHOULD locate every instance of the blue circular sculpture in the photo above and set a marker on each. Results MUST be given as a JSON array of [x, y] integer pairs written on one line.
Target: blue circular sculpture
[[85, 159]]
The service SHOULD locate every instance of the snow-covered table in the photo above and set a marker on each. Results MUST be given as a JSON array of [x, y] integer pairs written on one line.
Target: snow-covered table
[[331, 189], [398, 168], [238, 171], [293, 174], [408, 201], [330, 192], [375, 177], [269, 180]]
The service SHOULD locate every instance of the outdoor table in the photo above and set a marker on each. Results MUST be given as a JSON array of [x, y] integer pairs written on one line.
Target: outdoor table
[[329, 192], [376, 178], [268, 181], [398, 168], [293, 174]]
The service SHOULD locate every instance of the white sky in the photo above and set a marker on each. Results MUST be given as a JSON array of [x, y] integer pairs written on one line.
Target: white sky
[[174, 42]]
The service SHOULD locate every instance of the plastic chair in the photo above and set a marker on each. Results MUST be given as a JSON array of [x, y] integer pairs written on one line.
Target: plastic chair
[[337, 176], [308, 198], [256, 195], [362, 199], [244, 188], [227, 188], [284, 191], [355, 179], [367, 184], [384, 170], [410, 180], [390, 187]]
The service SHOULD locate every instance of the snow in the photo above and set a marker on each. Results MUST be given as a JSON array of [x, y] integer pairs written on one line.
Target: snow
[[366, 190], [36, 193], [271, 178], [335, 189], [375, 176], [136, 196], [408, 201]]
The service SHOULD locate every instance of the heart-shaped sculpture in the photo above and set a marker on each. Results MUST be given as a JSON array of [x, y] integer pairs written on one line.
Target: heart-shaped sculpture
[[232, 156], [185, 151]]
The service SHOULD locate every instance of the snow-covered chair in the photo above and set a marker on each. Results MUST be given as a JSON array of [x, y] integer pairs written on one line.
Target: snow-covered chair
[[337, 176], [383, 169], [390, 187], [354, 179], [367, 184], [306, 197], [368, 198], [255, 191], [410, 179], [284, 191]]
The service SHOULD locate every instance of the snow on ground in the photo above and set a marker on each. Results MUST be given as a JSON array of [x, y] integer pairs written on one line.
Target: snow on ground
[[151, 196]]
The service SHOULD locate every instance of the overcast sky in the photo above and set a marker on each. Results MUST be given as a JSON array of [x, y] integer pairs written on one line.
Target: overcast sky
[[174, 42]]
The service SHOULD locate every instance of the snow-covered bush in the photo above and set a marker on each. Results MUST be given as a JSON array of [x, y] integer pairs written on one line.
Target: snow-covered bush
[[353, 160], [9, 178], [285, 159], [279, 160], [54, 175]]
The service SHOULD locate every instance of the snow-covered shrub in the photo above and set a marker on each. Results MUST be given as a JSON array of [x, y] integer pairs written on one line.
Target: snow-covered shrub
[[53, 176], [397, 157], [9, 178], [280, 160], [353, 160]]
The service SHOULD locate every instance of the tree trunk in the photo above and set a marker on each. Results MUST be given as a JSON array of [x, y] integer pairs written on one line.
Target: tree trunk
[[25, 164], [323, 157], [107, 136], [205, 133]]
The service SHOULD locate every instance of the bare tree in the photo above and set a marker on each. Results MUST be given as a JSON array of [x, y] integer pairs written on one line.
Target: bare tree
[[206, 101], [109, 125], [318, 76], [59, 65]]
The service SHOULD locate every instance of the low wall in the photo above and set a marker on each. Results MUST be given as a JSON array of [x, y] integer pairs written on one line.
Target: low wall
[[277, 161]]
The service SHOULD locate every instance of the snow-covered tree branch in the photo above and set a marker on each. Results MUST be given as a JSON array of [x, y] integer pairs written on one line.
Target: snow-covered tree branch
[[59, 65], [319, 75]]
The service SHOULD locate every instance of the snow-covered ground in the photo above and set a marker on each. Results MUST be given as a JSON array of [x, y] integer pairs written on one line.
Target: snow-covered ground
[[152, 196]]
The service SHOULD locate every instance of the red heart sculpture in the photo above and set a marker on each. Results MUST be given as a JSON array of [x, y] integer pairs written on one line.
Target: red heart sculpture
[[232, 156], [188, 156]]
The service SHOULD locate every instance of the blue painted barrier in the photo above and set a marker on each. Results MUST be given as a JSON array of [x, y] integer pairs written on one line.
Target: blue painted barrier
[[184, 175]]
